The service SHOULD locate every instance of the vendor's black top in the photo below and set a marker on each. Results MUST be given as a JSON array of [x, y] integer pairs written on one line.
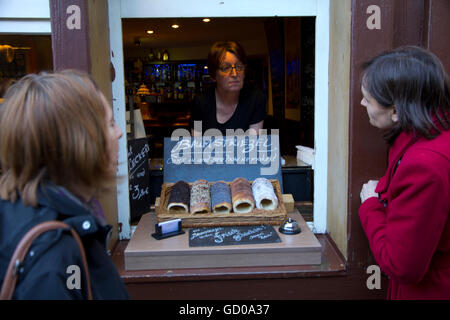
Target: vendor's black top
[[45, 273], [251, 109]]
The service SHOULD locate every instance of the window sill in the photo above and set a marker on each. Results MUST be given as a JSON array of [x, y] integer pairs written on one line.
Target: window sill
[[333, 264]]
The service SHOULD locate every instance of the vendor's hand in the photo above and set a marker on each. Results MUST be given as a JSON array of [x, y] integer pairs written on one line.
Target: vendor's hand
[[368, 190]]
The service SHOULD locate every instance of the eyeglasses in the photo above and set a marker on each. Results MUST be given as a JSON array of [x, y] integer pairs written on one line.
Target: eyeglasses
[[227, 68]]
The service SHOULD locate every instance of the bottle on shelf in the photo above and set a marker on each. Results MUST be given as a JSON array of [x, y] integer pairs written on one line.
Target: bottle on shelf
[[180, 93], [159, 98], [175, 93], [179, 74], [165, 55]]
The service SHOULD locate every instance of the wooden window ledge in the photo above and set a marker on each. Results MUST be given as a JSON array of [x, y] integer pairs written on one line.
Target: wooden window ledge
[[333, 264]]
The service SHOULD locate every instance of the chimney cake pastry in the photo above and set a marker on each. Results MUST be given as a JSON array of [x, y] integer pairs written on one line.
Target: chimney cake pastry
[[200, 197], [179, 198], [221, 197], [242, 196], [264, 194]]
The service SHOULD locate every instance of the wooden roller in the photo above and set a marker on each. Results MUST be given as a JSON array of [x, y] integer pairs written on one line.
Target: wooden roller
[[200, 197], [265, 197], [242, 196], [179, 198], [221, 197]]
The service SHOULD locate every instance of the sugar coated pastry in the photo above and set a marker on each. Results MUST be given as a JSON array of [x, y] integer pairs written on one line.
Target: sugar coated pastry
[[221, 197], [200, 197], [179, 197], [242, 195], [265, 197]]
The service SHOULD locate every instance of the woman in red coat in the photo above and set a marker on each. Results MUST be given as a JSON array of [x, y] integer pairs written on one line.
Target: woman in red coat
[[405, 214]]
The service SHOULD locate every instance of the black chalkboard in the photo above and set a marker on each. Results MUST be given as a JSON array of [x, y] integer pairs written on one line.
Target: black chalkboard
[[226, 236], [138, 171], [217, 158]]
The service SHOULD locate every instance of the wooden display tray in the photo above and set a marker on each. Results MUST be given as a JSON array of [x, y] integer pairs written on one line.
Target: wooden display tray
[[257, 216], [143, 252]]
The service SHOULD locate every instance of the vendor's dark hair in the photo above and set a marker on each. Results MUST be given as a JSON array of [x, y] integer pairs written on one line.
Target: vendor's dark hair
[[217, 53], [414, 81]]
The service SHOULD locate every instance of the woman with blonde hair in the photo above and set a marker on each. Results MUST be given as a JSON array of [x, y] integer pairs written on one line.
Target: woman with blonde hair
[[58, 152]]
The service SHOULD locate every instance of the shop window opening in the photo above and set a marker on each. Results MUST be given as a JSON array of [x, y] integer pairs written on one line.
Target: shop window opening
[[164, 69]]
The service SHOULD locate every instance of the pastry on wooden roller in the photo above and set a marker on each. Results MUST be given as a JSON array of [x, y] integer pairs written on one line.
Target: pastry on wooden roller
[[242, 195], [265, 197], [220, 197], [200, 197], [179, 197]]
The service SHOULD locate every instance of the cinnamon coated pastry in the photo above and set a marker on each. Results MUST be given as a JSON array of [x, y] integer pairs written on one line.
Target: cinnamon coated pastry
[[221, 197], [264, 194], [200, 197], [179, 197], [242, 196]]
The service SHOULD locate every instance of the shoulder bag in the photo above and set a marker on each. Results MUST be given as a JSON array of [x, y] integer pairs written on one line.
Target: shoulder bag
[[9, 283]]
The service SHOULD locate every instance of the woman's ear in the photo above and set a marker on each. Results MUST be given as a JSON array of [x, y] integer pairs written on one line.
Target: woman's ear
[[394, 115]]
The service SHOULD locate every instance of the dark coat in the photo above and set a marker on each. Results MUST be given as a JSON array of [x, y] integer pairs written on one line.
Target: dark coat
[[45, 273], [408, 228]]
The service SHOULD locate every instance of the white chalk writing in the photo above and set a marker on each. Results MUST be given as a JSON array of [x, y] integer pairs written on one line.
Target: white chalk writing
[[220, 234]]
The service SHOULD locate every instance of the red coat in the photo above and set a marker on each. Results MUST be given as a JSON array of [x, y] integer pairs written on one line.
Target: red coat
[[408, 228]]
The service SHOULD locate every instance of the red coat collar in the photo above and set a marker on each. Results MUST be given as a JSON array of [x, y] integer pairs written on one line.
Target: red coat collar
[[396, 152], [402, 143]]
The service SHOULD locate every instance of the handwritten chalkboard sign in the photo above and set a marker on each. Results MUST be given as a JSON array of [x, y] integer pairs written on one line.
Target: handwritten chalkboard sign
[[215, 158], [138, 171], [226, 236]]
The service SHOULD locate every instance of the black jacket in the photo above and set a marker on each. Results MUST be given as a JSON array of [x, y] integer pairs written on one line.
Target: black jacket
[[46, 272]]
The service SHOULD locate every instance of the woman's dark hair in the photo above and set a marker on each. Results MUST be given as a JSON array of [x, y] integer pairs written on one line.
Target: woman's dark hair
[[414, 81], [217, 53]]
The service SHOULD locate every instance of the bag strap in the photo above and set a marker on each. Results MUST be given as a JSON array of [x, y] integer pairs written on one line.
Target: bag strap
[[9, 283]]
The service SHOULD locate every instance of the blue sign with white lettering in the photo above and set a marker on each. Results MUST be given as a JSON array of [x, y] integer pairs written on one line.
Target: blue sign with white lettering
[[215, 158]]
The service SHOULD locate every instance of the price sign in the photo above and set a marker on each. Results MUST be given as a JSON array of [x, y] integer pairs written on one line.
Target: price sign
[[139, 175]]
